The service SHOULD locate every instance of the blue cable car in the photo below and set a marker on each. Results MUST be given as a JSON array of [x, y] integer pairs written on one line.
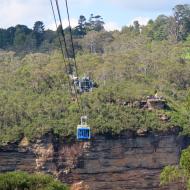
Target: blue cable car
[[83, 130]]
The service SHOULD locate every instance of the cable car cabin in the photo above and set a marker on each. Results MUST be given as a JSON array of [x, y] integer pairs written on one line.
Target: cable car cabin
[[83, 131], [84, 85]]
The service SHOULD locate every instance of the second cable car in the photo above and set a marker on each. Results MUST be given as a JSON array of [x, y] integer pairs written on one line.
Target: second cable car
[[84, 84]]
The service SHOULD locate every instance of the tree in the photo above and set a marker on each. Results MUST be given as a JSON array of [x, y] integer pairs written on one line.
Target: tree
[[3, 38], [160, 28], [21, 33], [172, 29], [95, 23], [80, 30], [98, 23], [182, 19], [148, 29], [10, 35], [95, 42], [38, 31], [136, 27]]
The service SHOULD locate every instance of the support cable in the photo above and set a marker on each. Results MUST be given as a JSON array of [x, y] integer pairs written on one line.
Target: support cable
[[61, 46], [73, 49], [71, 38], [67, 54]]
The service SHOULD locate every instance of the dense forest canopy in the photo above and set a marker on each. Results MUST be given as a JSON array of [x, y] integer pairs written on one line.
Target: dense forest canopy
[[128, 66]]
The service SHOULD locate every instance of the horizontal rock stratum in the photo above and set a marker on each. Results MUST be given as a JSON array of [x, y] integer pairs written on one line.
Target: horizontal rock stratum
[[114, 163]]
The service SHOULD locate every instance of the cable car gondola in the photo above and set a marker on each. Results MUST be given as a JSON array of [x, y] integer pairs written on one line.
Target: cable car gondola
[[83, 130], [84, 84]]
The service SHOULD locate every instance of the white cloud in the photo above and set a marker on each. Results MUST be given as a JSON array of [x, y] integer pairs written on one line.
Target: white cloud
[[111, 26], [141, 20], [81, 2], [74, 23], [14, 12], [146, 5]]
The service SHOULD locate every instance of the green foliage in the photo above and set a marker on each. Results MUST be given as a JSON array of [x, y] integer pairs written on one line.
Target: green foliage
[[178, 174], [25, 181], [160, 28], [182, 17], [38, 32], [185, 160], [81, 28], [169, 174], [35, 99]]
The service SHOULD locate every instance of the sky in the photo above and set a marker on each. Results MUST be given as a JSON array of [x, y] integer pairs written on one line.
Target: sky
[[116, 13]]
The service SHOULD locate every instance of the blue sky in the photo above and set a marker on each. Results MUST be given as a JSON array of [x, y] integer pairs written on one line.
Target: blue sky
[[116, 13]]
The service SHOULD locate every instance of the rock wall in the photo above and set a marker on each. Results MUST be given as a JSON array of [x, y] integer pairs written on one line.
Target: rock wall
[[119, 163]]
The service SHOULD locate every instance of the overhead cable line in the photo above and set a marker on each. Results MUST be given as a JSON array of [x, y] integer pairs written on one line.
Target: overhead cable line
[[71, 38], [66, 50], [61, 46], [73, 49]]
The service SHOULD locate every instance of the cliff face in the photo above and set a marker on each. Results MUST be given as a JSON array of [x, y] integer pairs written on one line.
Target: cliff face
[[125, 162]]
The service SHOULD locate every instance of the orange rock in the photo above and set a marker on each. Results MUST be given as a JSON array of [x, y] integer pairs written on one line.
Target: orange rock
[[80, 186], [24, 142]]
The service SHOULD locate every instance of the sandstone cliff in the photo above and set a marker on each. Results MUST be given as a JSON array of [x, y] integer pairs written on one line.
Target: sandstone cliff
[[125, 162]]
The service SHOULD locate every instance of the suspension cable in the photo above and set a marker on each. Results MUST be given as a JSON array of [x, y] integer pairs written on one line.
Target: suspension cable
[[61, 47], [67, 55], [72, 43], [71, 38], [73, 49]]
